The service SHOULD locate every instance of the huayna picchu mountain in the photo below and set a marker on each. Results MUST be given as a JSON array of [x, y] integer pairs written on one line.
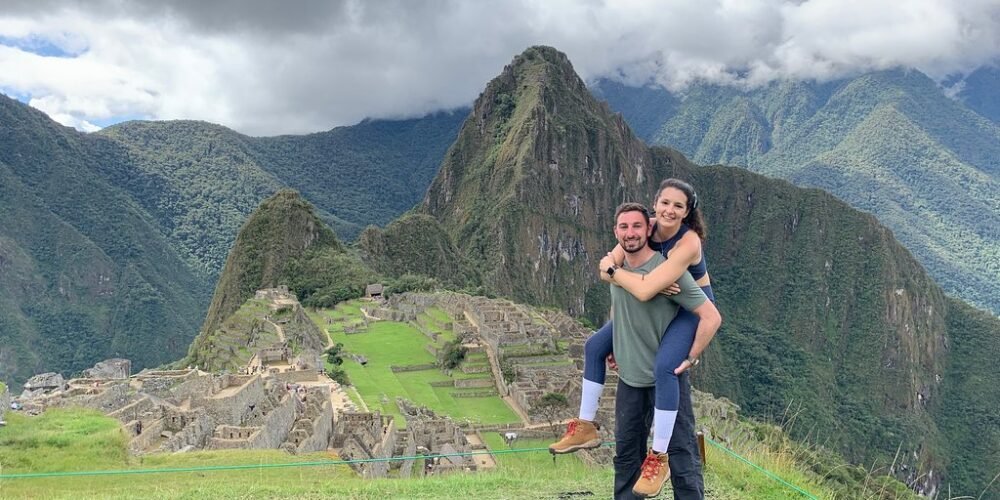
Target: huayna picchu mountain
[[830, 324]]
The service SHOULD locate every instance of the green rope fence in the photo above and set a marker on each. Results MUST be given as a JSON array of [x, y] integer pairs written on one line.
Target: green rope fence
[[357, 461], [763, 470]]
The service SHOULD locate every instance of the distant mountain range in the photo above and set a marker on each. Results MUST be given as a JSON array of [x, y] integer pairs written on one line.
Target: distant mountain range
[[112, 241], [891, 143]]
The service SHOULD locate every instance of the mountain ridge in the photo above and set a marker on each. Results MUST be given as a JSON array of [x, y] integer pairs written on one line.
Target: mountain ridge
[[889, 142]]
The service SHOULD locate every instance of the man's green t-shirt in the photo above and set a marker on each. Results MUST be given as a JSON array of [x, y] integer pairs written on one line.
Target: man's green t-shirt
[[639, 326]]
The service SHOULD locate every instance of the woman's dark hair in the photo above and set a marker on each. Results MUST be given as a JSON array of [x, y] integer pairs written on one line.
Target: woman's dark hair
[[694, 220]]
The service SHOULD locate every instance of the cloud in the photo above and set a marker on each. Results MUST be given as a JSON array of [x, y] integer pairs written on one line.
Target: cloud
[[266, 67]]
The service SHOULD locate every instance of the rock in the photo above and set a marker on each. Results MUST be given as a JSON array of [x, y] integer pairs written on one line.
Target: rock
[[42, 384], [114, 368]]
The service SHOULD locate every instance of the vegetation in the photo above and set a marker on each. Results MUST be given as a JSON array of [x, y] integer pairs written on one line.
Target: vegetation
[[890, 143], [388, 344], [81, 440], [452, 354], [333, 361], [552, 405], [87, 273]]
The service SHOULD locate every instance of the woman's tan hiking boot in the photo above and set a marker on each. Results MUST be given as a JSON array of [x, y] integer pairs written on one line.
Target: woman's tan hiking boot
[[580, 435], [655, 472]]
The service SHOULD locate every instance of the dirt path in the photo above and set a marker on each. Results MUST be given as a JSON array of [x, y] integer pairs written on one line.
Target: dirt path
[[484, 461], [281, 333]]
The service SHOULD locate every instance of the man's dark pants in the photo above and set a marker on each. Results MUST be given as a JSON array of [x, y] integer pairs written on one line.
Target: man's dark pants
[[633, 418]]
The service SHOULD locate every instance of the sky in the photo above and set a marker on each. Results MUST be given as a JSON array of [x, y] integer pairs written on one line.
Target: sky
[[265, 67]]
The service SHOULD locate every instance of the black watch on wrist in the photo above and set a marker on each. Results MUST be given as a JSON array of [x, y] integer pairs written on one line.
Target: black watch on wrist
[[611, 270]]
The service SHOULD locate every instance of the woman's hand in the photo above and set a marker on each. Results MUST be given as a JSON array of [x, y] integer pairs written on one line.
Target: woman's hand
[[612, 364], [673, 289], [606, 262]]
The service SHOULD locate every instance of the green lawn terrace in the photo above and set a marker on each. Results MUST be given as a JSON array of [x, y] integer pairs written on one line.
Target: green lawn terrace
[[515, 355]]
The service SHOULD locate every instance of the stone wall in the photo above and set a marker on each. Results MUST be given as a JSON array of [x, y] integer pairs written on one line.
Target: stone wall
[[162, 383], [150, 434], [193, 387], [107, 398], [296, 376], [194, 435], [366, 436], [322, 430], [277, 423], [270, 434], [4, 401], [230, 406]]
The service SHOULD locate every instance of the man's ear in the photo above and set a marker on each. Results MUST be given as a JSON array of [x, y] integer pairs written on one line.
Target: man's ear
[[649, 230]]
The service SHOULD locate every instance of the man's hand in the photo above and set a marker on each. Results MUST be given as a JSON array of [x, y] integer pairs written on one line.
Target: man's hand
[[612, 364], [673, 289]]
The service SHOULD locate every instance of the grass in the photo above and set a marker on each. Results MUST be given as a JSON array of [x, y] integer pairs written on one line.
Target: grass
[[89, 441], [83, 440], [389, 343]]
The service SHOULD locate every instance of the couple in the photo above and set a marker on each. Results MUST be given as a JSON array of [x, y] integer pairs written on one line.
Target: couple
[[657, 268]]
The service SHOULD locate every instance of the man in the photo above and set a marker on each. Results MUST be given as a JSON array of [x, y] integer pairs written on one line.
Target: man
[[639, 327]]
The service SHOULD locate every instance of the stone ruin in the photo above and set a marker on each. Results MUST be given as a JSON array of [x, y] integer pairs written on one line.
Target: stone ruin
[[428, 434], [366, 436], [265, 407], [181, 410]]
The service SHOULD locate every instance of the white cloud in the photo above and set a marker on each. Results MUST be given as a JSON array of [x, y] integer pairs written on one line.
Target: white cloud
[[269, 67]]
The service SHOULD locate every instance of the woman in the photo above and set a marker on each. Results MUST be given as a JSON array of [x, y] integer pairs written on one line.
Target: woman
[[678, 234]]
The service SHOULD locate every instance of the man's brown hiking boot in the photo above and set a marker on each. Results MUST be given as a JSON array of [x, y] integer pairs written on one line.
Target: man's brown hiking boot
[[655, 472], [580, 435]]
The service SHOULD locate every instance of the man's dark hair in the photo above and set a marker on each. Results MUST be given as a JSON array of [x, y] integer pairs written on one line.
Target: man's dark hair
[[631, 207]]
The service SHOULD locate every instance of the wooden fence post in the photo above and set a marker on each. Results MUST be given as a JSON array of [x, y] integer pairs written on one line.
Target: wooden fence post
[[701, 446]]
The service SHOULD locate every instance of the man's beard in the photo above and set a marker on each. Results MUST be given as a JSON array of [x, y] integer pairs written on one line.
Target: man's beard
[[639, 245]]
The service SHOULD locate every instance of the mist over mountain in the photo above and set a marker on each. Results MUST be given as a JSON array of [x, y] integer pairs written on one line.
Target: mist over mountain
[[890, 143]]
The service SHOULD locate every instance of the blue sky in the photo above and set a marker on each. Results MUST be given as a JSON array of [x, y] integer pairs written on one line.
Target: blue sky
[[262, 68], [39, 45]]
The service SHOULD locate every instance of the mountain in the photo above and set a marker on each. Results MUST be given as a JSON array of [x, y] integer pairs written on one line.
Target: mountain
[[390, 251], [831, 325], [116, 238], [200, 181], [978, 91], [86, 272], [890, 143], [283, 242]]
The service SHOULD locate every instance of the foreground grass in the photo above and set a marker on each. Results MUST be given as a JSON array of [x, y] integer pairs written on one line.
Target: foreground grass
[[82, 440]]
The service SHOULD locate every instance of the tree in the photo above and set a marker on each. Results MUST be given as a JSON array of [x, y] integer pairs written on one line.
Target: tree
[[333, 354], [551, 406], [452, 354]]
